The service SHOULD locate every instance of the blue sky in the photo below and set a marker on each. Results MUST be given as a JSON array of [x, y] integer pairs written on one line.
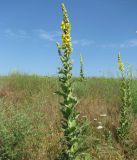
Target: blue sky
[[29, 30]]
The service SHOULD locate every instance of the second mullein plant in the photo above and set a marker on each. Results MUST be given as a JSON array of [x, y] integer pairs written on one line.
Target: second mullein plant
[[73, 130], [125, 109], [81, 68]]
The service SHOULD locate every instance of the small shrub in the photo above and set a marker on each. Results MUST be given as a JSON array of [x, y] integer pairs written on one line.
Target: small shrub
[[13, 135]]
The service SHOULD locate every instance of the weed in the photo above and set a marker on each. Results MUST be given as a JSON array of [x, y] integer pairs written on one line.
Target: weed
[[125, 108], [73, 130], [13, 136]]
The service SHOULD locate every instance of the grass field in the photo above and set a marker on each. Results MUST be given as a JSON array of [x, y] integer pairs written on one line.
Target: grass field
[[30, 117]]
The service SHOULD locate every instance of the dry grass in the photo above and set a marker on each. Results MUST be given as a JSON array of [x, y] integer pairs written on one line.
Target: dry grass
[[33, 96]]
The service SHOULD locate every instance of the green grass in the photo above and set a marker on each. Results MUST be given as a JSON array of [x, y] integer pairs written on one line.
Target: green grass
[[30, 117]]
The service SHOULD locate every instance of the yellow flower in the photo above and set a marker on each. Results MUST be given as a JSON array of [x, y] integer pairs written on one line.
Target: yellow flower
[[66, 39], [66, 27], [121, 66], [120, 63], [62, 25]]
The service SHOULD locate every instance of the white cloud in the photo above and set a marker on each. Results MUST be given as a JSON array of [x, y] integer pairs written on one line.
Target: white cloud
[[75, 42], [8, 32], [22, 34], [83, 42], [15, 34], [86, 42], [108, 45], [35, 33], [54, 36], [49, 36], [129, 44]]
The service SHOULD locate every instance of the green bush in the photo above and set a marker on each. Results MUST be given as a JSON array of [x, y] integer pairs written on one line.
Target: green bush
[[13, 136]]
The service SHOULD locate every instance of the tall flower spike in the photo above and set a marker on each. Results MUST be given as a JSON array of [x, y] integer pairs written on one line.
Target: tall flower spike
[[81, 68], [81, 59], [74, 131], [66, 28], [120, 63], [126, 101]]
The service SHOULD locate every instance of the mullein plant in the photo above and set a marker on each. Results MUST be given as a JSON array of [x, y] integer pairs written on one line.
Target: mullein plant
[[73, 130], [125, 109], [81, 68]]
